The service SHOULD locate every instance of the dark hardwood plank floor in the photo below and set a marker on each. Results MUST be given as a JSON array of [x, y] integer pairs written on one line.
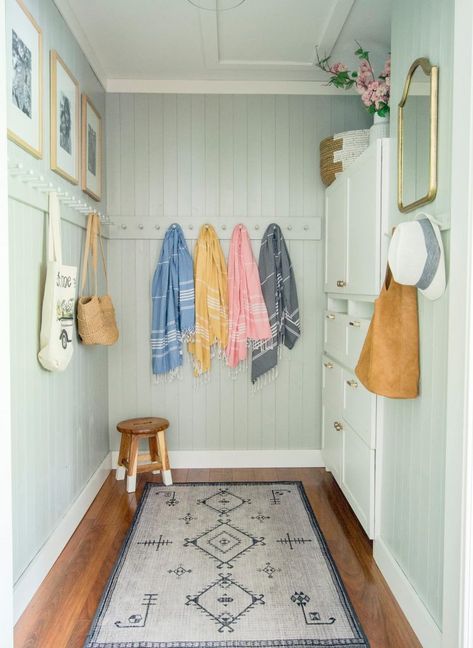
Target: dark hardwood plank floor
[[60, 613]]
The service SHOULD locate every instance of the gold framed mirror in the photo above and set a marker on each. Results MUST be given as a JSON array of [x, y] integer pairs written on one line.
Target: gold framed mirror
[[417, 137]]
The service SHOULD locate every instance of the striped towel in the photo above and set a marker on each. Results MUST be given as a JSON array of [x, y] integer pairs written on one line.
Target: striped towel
[[172, 304], [280, 295], [211, 301], [248, 317]]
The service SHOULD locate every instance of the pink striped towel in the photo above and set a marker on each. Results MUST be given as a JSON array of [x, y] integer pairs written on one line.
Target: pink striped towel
[[248, 317]]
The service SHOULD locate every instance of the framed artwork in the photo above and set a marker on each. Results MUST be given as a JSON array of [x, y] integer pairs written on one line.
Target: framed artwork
[[91, 149], [24, 79], [64, 120]]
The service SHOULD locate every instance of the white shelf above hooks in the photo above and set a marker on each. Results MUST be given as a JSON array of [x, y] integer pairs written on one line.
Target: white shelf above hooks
[[296, 228]]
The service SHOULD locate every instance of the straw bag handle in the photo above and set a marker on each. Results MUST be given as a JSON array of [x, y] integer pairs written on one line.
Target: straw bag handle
[[93, 232]]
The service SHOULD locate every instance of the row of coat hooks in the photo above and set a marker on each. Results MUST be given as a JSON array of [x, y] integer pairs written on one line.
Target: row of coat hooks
[[37, 181]]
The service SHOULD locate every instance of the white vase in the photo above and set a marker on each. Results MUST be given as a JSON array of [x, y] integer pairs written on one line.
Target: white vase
[[380, 128]]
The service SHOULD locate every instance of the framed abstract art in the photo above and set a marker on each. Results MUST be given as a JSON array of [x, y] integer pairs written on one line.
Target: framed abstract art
[[64, 120], [24, 79], [91, 149]]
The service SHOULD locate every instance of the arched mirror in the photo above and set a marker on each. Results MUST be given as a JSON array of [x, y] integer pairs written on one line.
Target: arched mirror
[[417, 137]]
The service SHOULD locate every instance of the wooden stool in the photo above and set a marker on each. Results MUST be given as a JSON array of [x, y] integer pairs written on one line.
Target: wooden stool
[[132, 431]]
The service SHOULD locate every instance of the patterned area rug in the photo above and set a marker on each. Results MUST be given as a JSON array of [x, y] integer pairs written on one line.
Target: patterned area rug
[[234, 565]]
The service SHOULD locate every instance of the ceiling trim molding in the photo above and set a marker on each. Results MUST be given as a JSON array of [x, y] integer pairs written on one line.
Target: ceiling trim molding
[[71, 21], [210, 37], [178, 86]]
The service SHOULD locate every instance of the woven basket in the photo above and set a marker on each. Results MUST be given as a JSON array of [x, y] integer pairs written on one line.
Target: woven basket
[[338, 152]]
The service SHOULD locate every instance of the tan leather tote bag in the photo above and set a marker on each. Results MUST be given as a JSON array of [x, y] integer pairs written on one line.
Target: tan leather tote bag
[[389, 360], [95, 315]]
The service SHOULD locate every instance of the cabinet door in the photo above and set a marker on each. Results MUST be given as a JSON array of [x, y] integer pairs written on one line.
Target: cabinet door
[[335, 327], [336, 236], [358, 478], [364, 224], [332, 385], [332, 444]]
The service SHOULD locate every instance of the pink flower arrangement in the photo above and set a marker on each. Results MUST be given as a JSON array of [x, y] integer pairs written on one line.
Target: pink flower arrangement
[[374, 90]]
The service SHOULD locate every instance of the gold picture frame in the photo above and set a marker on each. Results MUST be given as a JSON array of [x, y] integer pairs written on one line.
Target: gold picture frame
[[20, 11], [431, 71], [65, 123], [92, 149]]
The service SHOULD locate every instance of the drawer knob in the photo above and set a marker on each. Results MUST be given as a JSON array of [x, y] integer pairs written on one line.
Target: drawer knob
[[355, 323], [330, 316], [338, 426], [328, 365], [341, 283], [352, 383]]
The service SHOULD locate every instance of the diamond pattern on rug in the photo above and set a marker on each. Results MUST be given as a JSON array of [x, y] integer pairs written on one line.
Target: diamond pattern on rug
[[225, 543], [229, 565]]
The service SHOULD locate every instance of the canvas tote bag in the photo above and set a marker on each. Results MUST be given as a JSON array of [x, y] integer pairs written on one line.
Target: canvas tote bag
[[95, 315], [57, 320], [389, 360]]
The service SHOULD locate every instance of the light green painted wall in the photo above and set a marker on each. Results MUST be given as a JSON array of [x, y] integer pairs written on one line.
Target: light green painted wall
[[413, 461], [219, 156], [60, 421]]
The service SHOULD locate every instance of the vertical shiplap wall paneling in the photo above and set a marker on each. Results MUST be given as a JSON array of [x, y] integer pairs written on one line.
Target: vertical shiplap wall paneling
[[59, 420], [218, 156], [412, 524]]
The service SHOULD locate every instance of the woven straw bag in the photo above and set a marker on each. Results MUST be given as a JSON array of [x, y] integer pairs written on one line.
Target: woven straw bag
[[95, 314], [338, 152]]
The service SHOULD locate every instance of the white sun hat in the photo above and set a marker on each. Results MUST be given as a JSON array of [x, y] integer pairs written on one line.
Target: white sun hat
[[416, 256]]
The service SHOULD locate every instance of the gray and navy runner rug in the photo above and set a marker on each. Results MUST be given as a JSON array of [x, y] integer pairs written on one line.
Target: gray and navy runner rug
[[225, 565]]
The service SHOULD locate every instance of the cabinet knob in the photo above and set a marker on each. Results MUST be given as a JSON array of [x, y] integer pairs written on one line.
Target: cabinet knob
[[355, 323], [352, 383], [338, 426], [330, 316], [341, 283], [328, 365]]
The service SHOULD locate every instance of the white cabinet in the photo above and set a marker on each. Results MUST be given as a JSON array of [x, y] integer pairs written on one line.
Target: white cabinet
[[356, 212], [355, 205], [335, 237]]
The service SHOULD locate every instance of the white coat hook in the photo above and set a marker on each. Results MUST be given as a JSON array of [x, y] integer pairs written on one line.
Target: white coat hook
[[123, 227], [289, 228], [28, 176], [141, 226], [191, 227], [256, 227], [157, 227], [47, 187], [306, 228], [40, 183], [224, 227]]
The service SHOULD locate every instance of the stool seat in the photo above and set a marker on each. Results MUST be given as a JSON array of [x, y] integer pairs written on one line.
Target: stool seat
[[132, 431], [149, 425]]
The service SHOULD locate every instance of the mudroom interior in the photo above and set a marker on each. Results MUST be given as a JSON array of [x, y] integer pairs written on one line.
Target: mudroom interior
[[234, 365]]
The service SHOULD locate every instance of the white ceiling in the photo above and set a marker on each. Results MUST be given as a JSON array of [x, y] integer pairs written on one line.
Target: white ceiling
[[261, 40]]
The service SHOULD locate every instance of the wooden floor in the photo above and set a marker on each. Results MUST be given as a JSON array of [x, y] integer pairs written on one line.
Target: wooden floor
[[60, 614]]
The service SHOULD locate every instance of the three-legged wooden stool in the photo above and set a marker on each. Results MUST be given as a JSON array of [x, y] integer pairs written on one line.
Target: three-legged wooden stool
[[132, 431]]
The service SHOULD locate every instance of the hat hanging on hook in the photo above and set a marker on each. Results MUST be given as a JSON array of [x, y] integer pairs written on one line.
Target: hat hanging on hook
[[416, 256]]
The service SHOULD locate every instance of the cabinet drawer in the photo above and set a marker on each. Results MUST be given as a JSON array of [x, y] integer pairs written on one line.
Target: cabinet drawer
[[359, 408], [357, 328], [332, 385], [332, 442], [358, 478], [335, 334]]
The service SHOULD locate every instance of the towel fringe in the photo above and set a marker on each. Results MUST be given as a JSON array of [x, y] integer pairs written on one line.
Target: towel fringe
[[168, 377], [267, 378]]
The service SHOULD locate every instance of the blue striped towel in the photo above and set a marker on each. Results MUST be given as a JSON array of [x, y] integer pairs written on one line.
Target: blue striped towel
[[172, 303]]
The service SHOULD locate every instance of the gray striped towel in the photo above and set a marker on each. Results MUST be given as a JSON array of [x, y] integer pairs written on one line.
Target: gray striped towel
[[280, 295]]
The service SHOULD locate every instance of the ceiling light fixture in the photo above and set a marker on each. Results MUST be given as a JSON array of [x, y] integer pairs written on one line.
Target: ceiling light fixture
[[216, 5]]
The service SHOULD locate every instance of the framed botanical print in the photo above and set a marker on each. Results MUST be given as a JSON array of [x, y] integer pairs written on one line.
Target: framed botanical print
[[64, 120], [24, 79], [91, 149]]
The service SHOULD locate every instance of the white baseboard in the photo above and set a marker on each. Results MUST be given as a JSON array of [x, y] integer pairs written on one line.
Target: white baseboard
[[242, 459], [427, 631], [37, 570]]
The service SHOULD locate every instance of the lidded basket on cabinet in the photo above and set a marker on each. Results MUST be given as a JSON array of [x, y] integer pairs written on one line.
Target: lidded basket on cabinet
[[338, 152]]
